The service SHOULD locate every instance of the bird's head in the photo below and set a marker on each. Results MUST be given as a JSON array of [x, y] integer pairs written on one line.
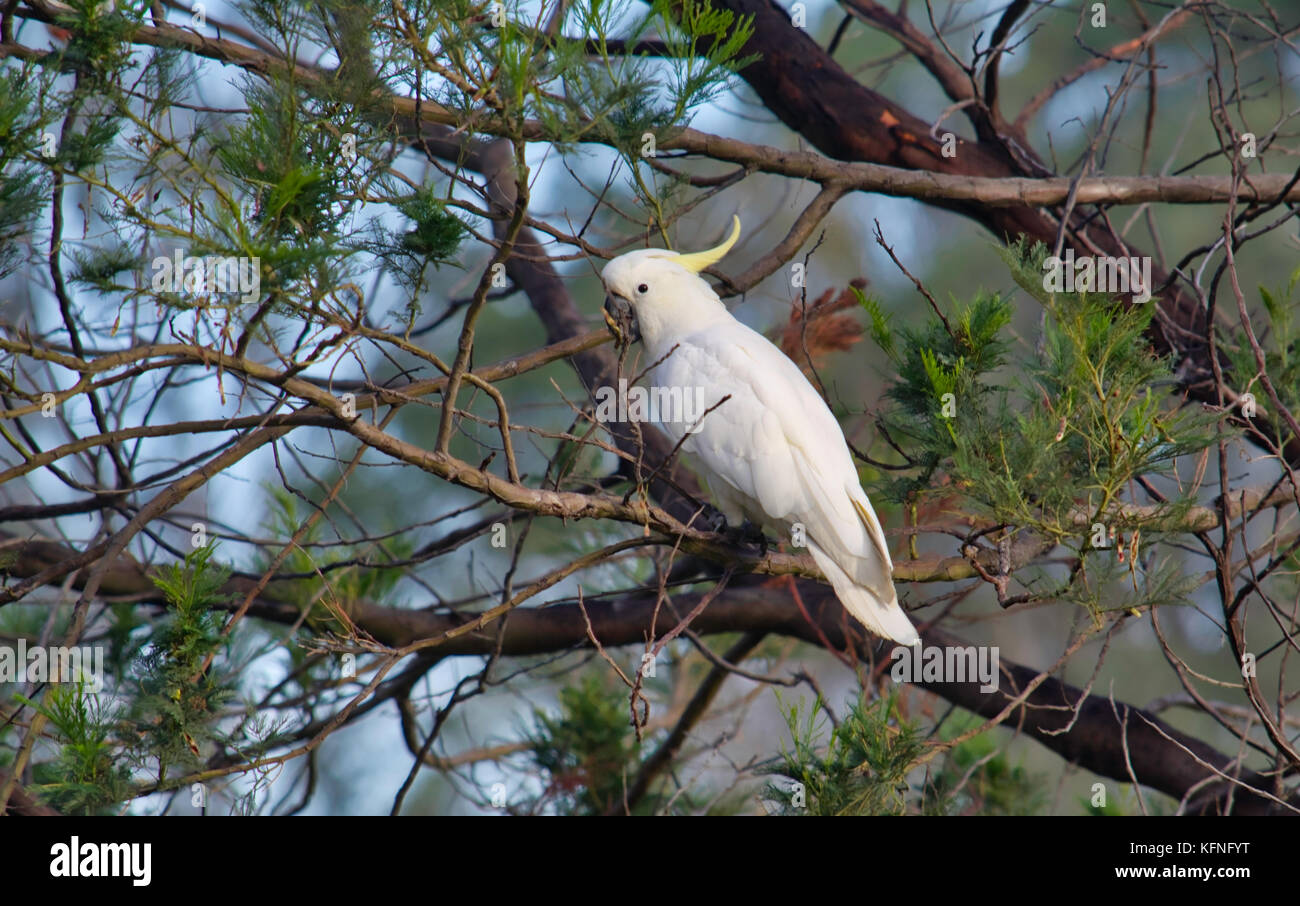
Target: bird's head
[[653, 294]]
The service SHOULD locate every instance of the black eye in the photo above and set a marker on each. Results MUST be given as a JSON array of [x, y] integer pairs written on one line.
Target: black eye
[[643, 288]]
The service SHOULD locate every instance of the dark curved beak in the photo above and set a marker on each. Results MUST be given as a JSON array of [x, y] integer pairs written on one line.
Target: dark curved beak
[[620, 319]]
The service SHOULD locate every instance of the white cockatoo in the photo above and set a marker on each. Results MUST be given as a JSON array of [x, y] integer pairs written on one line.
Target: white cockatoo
[[772, 453]]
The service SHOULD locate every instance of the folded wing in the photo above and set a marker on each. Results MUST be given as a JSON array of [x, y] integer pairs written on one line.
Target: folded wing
[[776, 444]]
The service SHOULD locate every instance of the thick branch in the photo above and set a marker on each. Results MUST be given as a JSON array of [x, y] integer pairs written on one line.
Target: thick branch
[[1163, 758]]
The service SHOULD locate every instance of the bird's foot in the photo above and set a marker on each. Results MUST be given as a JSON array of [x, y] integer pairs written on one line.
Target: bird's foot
[[744, 534], [747, 534], [712, 520]]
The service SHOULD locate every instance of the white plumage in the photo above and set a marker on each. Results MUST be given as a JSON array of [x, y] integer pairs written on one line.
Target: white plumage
[[773, 452]]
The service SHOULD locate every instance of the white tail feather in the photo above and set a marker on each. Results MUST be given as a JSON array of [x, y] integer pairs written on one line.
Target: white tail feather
[[884, 618]]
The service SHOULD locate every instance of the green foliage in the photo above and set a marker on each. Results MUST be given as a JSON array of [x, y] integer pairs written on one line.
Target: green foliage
[[580, 89], [175, 710], [296, 190], [98, 266], [1109, 585], [82, 150], [942, 370], [704, 44], [170, 701], [22, 184], [167, 77], [435, 233], [1083, 416], [870, 765], [576, 94], [338, 575], [976, 776], [127, 636], [880, 330], [434, 236], [1055, 448], [168, 713], [861, 770], [279, 182], [1277, 335], [86, 778], [1112, 808], [21, 198], [99, 40], [586, 751], [282, 162]]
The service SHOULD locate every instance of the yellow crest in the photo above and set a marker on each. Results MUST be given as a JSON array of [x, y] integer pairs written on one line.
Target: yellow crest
[[698, 261]]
